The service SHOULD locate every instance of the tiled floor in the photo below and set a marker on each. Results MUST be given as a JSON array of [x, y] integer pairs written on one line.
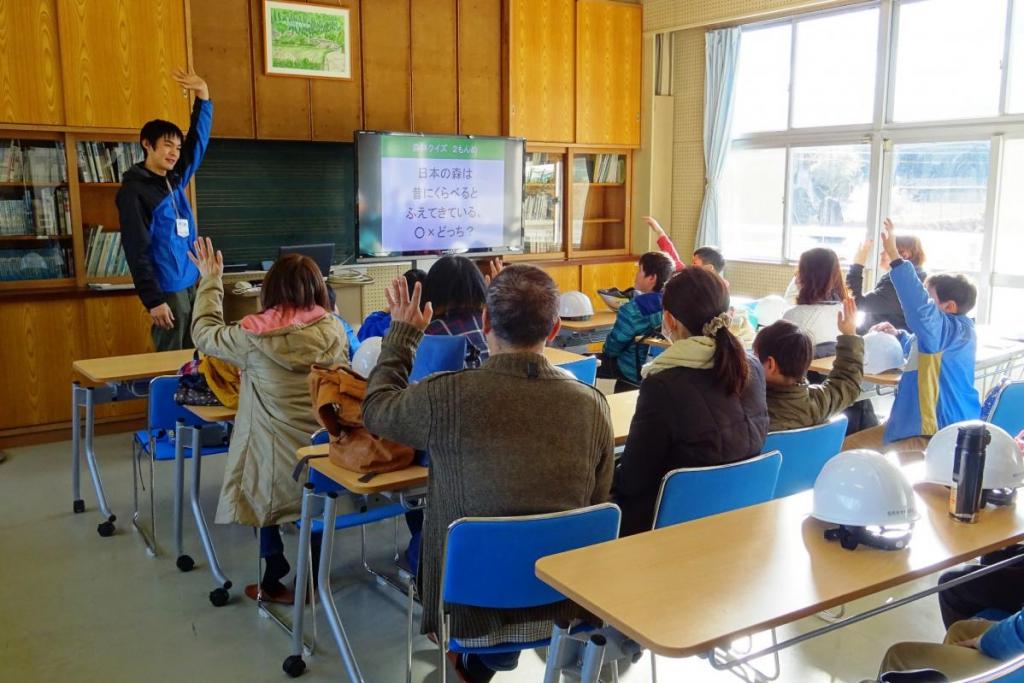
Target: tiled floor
[[81, 608]]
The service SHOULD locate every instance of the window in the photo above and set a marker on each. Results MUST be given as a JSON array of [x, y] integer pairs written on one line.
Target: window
[[762, 80], [834, 76], [949, 54], [1010, 227], [1015, 86], [751, 203], [828, 198]]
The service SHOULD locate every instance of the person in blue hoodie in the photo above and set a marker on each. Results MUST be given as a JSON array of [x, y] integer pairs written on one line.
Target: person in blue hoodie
[[971, 647], [378, 323], [157, 225], [623, 356], [937, 386]]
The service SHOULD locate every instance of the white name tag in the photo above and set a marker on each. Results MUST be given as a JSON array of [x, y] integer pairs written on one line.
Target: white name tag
[[181, 226]]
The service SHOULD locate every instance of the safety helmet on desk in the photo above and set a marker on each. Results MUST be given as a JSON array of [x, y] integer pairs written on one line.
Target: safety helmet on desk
[[364, 360], [770, 309], [882, 352], [575, 306], [868, 497], [1004, 464]]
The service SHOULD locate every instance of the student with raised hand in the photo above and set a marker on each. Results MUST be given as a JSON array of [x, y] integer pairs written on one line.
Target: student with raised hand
[[702, 401], [818, 293], [157, 226], [707, 257], [971, 648], [456, 290], [623, 355], [516, 436], [786, 352], [275, 350], [937, 387], [378, 322], [882, 305]]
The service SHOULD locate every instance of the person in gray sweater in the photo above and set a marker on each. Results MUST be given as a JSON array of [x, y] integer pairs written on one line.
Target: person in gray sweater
[[516, 436]]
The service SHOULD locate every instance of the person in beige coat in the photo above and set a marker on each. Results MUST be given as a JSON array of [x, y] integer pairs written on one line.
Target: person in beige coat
[[274, 349]]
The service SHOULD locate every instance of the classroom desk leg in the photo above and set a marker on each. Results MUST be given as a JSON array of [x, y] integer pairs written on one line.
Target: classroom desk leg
[[77, 504], [184, 562], [218, 596], [293, 664], [327, 596], [105, 528]]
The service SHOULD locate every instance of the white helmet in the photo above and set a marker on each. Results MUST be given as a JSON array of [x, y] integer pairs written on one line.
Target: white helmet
[[1004, 465], [882, 352], [365, 358], [859, 489], [770, 309], [575, 306]]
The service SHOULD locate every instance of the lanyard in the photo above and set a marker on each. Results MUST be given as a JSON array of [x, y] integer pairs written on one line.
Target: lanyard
[[174, 202]]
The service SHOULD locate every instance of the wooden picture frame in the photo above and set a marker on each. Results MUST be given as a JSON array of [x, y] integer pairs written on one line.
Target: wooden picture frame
[[296, 36]]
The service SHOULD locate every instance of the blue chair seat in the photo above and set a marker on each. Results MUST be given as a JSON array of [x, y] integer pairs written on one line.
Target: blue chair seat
[[165, 449], [356, 519]]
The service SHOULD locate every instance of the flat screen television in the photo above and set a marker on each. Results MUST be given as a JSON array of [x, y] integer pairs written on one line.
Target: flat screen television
[[430, 195]]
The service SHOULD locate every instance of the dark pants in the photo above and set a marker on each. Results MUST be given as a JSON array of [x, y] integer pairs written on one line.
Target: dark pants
[[179, 336], [481, 668], [1003, 589], [608, 368], [272, 550]]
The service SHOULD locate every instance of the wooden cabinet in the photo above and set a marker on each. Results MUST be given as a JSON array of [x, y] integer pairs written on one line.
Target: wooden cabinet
[[608, 64], [480, 67], [30, 68], [542, 69], [117, 59], [222, 53], [434, 66], [599, 195], [386, 66]]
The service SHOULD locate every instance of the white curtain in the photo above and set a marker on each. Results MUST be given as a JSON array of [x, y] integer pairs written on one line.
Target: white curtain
[[722, 52]]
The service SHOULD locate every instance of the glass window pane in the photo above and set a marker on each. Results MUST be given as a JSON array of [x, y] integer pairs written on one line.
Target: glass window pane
[[1007, 303], [762, 81], [948, 61], [828, 198], [1015, 87], [834, 79], [750, 203], [1010, 227], [939, 192]]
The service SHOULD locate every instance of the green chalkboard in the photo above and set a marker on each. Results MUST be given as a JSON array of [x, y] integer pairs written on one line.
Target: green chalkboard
[[254, 196]]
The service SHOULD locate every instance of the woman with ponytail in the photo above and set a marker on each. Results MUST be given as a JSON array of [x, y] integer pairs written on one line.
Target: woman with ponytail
[[702, 401]]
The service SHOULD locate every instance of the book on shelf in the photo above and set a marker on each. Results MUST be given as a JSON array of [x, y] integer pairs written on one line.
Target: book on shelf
[[51, 210], [539, 206], [34, 264], [600, 168], [21, 163], [106, 162], [104, 255]]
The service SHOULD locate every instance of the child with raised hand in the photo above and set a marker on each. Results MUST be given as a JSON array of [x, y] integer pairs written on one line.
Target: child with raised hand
[[378, 322], [707, 257], [786, 353], [937, 388]]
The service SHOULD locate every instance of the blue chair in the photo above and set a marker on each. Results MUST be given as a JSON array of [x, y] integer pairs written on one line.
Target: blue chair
[[690, 493], [437, 353], [805, 452], [585, 370], [1007, 410], [480, 570], [156, 441]]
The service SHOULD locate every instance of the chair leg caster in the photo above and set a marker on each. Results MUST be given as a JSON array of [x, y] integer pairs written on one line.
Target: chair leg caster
[[219, 597], [185, 563], [294, 666], [78, 506], [105, 529]]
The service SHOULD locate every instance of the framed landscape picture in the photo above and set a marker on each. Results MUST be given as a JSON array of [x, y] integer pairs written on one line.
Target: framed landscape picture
[[306, 40]]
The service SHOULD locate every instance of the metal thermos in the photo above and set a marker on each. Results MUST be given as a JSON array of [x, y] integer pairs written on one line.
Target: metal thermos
[[968, 472]]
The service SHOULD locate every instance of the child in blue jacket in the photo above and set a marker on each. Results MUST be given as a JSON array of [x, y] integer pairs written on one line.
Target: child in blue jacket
[[937, 386], [622, 355], [378, 323]]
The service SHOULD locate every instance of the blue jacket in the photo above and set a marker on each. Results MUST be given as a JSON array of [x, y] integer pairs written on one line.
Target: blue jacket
[[376, 324], [353, 341], [1005, 640], [642, 315], [937, 387], [148, 208]]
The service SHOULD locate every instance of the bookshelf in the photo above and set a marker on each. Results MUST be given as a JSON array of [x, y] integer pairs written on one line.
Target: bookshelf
[[600, 202], [543, 189]]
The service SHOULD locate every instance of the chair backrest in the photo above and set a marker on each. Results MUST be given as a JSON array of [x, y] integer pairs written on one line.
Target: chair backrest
[[163, 411], [1008, 410], [804, 452], [690, 493], [489, 561], [438, 353], [585, 370]]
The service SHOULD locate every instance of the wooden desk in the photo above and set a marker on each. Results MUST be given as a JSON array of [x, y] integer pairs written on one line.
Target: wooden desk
[[622, 407], [133, 367], [656, 342], [561, 356], [889, 378], [399, 480], [212, 413], [684, 589], [597, 321]]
